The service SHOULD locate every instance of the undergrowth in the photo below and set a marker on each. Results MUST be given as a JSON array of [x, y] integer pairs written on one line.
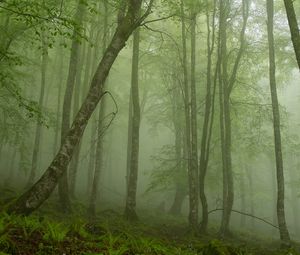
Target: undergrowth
[[48, 232]]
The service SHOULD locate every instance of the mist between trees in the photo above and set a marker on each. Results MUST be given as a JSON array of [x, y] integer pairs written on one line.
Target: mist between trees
[[185, 107]]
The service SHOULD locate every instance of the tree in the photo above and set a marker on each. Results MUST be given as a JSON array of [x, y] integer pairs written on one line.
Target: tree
[[130, 213], [226, 84], [128, 21], [284, 234], [100, 130], [194, 136], [63, 185], [193, 193], [295, 34], [208, 118]]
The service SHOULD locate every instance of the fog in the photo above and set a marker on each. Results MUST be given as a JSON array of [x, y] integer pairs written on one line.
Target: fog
[[182, 110]]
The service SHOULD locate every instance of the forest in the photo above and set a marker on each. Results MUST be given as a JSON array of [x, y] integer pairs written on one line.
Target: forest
[[160, 127]]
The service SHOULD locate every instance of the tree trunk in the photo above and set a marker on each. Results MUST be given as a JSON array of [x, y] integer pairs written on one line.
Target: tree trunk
[[92, 156], [284, 234], [194, 148], [98, 161], [100, 134], [130, 213], [251, 194], [207, 123], [243, 199], [63, 185], [41, 190], [291, 15], [129, 139], [226, 86], [186, 95], [38, 128]]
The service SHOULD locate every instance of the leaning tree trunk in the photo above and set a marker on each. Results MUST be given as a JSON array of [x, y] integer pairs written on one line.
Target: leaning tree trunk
[[130, 212], [38, 128], [291, 15], [42, 189], [283, 231]]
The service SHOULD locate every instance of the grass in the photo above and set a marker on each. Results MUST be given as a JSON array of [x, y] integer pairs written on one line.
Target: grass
[[48, 232]]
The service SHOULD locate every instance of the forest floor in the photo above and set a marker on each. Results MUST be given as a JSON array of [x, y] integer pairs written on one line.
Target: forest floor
[[49, 232]]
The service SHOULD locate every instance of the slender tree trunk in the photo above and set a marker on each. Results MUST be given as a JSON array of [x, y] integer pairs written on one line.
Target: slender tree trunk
[[98, 161], [249, 172], [41, 190], [130, 212], [63, 185], [92, 156], [129, 139], [207, 123], [243, 199], [223, 79], [284, 234], [38, 129], [226, 86], [194, 147], [192, 182], [291, 15], [100, 141]]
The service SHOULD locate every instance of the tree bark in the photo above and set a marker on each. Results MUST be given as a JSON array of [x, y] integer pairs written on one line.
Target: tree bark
[[192, 185], [41, 190], [194, 146], [292, 19], [63, 185], [129, 139], [130, 211], [100, 134], [283, 231], [226, 84], [208, 121], [243, 199]]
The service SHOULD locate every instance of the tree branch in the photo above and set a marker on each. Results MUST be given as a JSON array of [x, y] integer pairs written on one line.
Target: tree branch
[[246, 214]]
